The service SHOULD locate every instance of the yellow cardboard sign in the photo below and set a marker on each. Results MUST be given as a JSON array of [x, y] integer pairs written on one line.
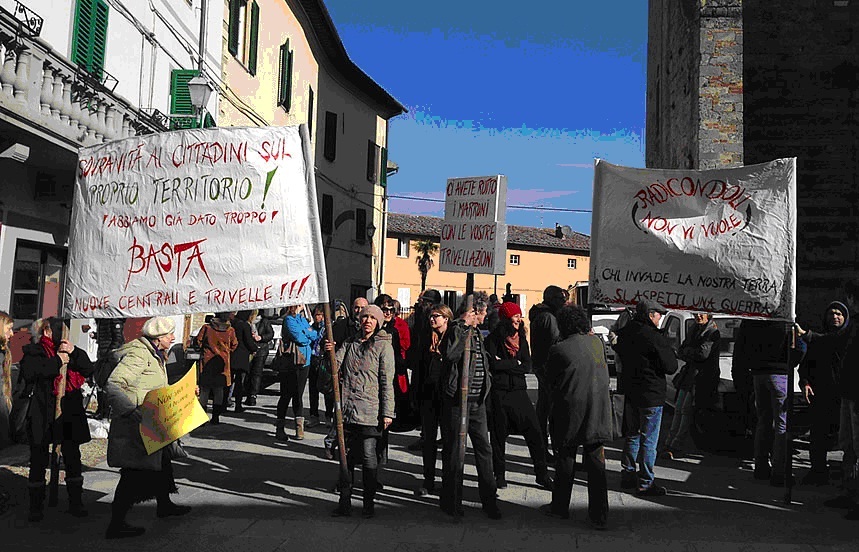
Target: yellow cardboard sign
[[171, 412]]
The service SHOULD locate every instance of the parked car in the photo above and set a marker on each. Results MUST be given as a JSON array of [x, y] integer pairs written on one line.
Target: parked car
[[727, 419], [603, 318]]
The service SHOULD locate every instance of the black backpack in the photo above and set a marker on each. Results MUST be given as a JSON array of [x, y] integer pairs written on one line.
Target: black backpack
[[105, 366]]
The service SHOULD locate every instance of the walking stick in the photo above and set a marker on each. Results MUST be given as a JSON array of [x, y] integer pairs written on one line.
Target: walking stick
[[788, 437], [463, 415], [57, 433], [338, 413]]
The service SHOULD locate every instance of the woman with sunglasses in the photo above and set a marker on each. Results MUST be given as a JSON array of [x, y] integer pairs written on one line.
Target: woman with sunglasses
[[425, 381]]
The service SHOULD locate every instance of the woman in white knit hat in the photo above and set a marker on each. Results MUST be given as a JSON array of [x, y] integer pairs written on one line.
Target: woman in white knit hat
[[142, 476]]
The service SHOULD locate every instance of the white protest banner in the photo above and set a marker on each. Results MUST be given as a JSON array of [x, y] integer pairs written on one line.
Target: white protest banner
[[195, 221], [722, 241], [474, 235]]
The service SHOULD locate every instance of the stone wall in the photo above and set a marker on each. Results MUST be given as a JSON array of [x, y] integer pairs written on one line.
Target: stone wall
[[672, 80], [801, 96], [720, 84]]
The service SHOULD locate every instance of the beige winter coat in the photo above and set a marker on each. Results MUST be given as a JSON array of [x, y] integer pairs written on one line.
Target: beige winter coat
[[367, 380], [139, 371]]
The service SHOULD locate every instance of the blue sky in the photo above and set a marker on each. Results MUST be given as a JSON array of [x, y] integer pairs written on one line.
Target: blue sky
[[535, 95]]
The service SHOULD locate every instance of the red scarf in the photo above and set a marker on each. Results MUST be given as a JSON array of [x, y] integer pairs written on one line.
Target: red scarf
[[511, 343], [74, 380]]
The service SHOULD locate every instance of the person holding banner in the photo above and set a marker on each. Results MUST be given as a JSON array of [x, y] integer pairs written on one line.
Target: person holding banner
[[40, 366], [454, 351], [142, 476], [767, 349], [217, 341], [647, 358], [367, 380]]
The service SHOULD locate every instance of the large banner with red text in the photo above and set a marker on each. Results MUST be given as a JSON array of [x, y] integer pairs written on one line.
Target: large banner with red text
[[721, 241], [195, 221]]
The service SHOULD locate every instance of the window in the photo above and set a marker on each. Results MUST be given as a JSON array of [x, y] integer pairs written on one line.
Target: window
[[330, 147], [243, 33], [514, 260], [310, 111], [180, 99], [373, 153], [284, 90], [383, 175], [672, 330], [361, 225], [451, 299], [37, 281], [403, 248], [327, 217], [571, 263], [90, 36]]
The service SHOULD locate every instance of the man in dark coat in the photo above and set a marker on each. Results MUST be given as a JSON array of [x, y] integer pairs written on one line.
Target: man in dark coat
[[817, 379], [544, 334], [578, 384], [647, 358], [761, 349]]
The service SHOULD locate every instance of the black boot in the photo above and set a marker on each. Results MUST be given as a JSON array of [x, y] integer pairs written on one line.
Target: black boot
[[37, 502], [75, 488], [118, 528], [167, 508], [370, 481], [280, 431]]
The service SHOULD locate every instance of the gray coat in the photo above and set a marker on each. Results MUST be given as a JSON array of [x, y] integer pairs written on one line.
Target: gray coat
[[367, 380], [578, 380], [139, 371]]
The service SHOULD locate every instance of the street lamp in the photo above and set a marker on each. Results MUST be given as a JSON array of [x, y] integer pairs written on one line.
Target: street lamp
[[200, 89], [371, 231]]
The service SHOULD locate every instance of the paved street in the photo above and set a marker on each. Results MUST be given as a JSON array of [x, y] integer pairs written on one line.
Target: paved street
[[250, 492]]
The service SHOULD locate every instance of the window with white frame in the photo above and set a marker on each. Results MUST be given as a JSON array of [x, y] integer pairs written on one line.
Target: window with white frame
[[571, 263], [514, 260], [403, 248]]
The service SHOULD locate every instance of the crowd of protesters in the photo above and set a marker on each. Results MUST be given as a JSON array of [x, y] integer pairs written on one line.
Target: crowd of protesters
[[403, 374]]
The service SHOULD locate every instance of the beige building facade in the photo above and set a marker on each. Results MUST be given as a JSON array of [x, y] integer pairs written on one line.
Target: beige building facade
[[536, 259], [284, 64]]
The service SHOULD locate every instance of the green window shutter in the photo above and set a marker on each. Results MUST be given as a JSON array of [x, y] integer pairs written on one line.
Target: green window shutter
[[209, 121], [180, 99], [254, 38], [284, 95], [383, 176], [233, 38], [89, 38]]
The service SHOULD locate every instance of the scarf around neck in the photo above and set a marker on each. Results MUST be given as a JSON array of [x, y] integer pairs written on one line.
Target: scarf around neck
[[74, 380], [511, 343]]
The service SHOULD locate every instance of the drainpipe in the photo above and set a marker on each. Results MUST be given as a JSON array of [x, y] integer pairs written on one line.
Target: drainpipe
[[203, 15]]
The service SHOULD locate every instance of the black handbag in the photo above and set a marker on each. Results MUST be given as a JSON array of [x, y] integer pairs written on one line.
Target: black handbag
[[175, 450]]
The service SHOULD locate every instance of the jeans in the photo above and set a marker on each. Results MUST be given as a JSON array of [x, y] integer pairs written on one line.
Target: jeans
[[684, 414], [593, 457], [360, 449], [478, 432], [771, 429], [292, 382], [217, 394], [848, 435], [640, 445], [257, 367], [513, 413], [430, 420]]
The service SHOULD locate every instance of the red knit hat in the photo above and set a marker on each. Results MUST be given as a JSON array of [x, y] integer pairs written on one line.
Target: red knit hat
[[509, 310]]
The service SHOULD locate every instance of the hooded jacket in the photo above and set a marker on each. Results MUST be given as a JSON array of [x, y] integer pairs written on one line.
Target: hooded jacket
[[647, 358], [823, 364], [217, 340], [367, 380]]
